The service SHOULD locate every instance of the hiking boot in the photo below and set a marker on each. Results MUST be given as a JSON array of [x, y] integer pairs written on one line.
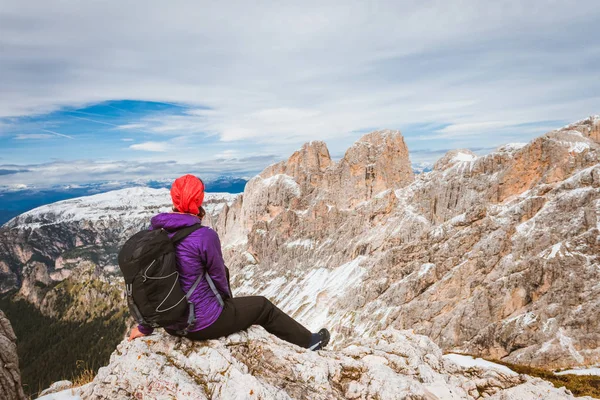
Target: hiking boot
[[319, 340]]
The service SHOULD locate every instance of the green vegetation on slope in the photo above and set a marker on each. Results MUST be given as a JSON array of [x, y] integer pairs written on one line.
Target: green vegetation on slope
[[51, 349]]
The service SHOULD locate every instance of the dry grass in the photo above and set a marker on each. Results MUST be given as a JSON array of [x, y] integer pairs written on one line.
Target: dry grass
[[580, 385], [84, 374]]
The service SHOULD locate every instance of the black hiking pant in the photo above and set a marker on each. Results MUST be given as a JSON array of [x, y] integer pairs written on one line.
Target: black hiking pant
[[242, 312]]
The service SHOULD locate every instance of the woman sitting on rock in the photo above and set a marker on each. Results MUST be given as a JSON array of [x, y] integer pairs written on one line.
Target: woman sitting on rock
[[200, 252]]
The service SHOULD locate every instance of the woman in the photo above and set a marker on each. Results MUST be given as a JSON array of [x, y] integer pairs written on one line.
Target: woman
[[200, 252]]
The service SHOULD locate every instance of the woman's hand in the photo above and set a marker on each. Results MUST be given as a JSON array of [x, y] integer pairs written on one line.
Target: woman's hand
[[135, 333]]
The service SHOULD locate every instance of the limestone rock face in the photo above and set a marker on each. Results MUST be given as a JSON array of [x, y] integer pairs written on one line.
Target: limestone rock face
[[306, 166], [496, 255], [377, 162], [255, 365], [10, 377]]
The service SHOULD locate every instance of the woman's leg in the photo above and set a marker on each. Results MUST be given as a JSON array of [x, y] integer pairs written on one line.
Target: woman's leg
[[242, 312]]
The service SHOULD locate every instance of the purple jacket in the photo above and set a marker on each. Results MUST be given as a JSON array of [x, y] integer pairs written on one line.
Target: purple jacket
[[198, 252]]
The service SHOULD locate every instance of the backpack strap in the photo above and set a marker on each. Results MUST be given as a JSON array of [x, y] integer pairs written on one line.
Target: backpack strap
[[184, 232], [192, 312], [214, 289]]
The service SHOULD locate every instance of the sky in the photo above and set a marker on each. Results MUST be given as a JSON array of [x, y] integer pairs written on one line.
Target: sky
[[111, 90]]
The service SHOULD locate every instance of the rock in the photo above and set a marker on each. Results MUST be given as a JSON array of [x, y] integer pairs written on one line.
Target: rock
[[453, 157], [10, 377], [377, 162], [495, 256], [255, 365], [306, 166], [57, 387]]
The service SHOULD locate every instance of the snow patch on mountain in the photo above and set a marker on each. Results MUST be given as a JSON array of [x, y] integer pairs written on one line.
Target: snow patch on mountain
[[139, 202], [579, 147], [301, 243], [581, 371], [470, 362], [511, 147], [283, 181], [463, 157], [309, 296]]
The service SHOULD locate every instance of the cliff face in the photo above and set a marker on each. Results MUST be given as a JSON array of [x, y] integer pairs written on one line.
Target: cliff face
[[10, 377], [255, 365], [495, 255]]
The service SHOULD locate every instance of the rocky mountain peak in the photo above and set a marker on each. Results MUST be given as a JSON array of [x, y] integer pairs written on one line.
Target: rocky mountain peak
[[551, 158], [306, 165], [376, 162], [589, 128], [452, 157]]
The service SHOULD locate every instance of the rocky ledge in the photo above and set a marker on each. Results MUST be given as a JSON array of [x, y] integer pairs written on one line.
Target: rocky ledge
[[256, 365]]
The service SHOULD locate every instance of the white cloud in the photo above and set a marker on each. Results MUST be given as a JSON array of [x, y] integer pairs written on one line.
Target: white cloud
[[150, 146], [127, 140], [87, 171], [280, 74], [227, 154], [58, 134], [130, 126], [33, 136]]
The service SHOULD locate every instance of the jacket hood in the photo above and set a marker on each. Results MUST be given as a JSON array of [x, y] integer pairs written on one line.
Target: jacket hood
[[173, 221]]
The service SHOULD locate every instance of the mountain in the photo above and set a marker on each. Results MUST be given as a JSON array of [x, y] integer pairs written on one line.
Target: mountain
[[422, 167], [495, 256], [17, 200], [43, 240]]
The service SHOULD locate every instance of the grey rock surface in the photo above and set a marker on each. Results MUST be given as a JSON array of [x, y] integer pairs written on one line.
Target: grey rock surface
[[391, 365], [10, 376]]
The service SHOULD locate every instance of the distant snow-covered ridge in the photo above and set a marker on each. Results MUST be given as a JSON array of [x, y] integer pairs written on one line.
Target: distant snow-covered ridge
[[136, 202]]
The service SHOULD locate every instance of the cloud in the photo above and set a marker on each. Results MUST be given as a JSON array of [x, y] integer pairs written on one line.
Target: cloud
[[131, 126], [227, 154], [94, 121], [58, 134], [12, 171], [33, 136], [286, 73], [127, 140], [90, 171], [150, 146], [429, 156]]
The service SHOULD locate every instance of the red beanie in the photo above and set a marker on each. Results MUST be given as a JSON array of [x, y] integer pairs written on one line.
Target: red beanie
[[187, 193]]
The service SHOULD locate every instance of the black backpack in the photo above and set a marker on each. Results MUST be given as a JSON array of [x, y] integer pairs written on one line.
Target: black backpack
[[149, 266]]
